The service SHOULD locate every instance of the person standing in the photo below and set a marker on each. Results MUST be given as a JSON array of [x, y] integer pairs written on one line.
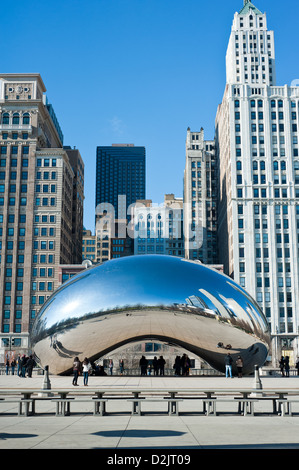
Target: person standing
[[23, 365], [29, 366], [111, 366], [13, 365], [19, 362], [239, 364], [7, 366], [143, 365], [161, 365], [287, 366], [86, 371], [281, 365], [155, 365], [76, 370], [121, 366], [177, 366], [228, 365]]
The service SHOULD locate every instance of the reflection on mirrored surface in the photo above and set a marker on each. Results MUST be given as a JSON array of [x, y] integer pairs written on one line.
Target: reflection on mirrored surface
[[165, 298]]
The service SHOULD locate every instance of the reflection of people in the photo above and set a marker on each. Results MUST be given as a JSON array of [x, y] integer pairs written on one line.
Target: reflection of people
[[121, 366], [239, 364], [228, 365], [102, 371], [111, 366]]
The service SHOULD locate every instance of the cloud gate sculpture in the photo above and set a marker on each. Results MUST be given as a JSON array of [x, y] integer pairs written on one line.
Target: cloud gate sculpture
[[168, 299]]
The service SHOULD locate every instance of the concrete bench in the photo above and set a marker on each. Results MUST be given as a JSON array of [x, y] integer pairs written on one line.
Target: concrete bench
[[63, 405], [247, 408], [285, 405], [21, 402], [173, 408]]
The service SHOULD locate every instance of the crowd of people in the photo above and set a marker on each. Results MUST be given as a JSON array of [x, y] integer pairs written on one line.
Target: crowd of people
[[157, 366], [23, 365]]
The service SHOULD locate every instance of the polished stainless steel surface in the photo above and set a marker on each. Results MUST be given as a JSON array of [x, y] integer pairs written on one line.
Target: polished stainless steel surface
[[165, 298]]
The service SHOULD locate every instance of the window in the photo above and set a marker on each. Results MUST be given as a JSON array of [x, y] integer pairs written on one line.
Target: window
[[16, 118], [5, 118], [26, 118]]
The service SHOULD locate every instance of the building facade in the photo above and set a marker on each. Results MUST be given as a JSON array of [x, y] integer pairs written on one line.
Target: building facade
[[120, 177], [200, 199], [158, 229], [40, 193], [257, 145]]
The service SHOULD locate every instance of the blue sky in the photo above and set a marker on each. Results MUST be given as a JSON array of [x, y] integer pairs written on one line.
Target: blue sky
[[135, 71]]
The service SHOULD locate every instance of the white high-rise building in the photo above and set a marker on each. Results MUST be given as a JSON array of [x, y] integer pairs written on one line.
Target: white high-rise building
[[257, 143]]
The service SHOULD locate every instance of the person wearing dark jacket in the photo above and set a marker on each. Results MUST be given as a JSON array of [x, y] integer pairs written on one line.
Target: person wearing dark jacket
[[228, 365], [76, 370], [29, 366], [161, 365], [23, 365], [143, 365]]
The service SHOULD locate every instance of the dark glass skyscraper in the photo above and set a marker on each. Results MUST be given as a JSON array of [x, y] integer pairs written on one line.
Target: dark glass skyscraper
[[120, 171]]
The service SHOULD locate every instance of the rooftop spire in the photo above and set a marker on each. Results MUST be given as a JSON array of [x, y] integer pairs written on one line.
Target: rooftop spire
[[249, 6]]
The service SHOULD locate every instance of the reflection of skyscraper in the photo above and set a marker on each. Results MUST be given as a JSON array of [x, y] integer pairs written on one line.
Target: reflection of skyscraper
[[120, 171], [257, 142]]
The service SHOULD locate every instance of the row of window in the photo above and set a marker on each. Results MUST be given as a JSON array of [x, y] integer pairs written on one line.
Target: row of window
[[13, 175], [42, 286], [15, 119], [46, 175], [12, 201], [45, 201], [264, 252], [15, 135], [263, 209], [14, 149], [264, 223], [262, 193]]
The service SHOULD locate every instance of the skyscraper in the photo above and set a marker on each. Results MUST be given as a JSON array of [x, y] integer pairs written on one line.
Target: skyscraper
[[41, 190], [257, 144], [200, 198], [120, 177]]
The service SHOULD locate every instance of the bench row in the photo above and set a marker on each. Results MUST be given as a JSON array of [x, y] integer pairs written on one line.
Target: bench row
[[26, 407]]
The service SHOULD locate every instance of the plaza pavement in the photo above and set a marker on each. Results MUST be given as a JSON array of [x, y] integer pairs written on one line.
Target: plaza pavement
[[153, 432]]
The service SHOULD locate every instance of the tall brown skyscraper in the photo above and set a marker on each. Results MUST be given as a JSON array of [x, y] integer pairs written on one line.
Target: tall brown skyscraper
[[41, 204]]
